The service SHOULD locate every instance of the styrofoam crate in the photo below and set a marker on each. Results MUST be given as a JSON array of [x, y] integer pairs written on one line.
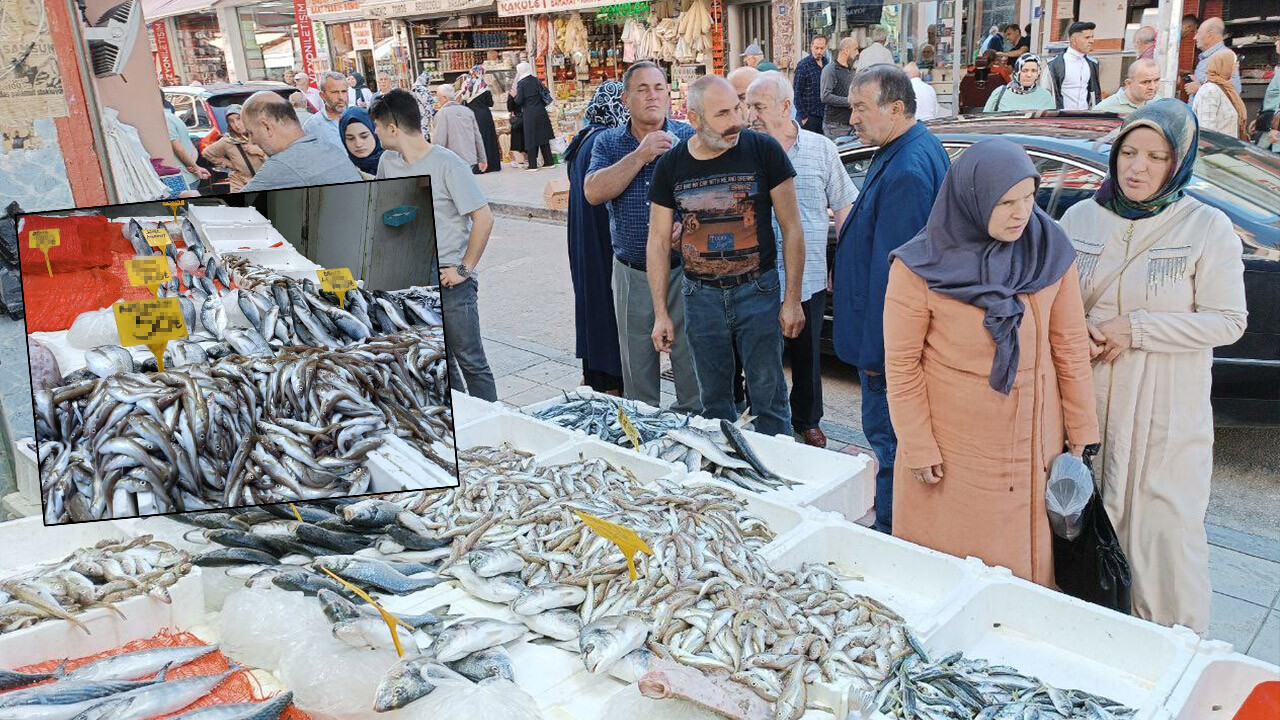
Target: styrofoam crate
[[469, 409], [232, 230], [27, 468], [27, 542], [913, 581], [144, 616], [581, 697], [523, 433], [398, 466], [645, 468], [1217, 682], [585, 392], [1066, 642], [16, 505]]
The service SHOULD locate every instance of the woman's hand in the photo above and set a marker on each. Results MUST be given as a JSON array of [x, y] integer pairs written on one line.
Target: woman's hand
[[1097, 342], [1119, 337], [931, 475]]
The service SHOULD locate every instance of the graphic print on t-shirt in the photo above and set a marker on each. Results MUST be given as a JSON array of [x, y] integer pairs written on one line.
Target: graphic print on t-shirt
[[718, 235]]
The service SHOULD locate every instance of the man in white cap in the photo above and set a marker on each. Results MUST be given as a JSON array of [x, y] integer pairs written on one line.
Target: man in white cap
[[753, 56]]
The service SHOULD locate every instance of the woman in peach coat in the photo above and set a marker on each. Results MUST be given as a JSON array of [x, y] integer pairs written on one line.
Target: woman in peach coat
[[987, 363]]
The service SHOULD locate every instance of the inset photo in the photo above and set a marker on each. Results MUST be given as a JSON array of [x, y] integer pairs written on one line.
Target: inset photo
[[251, 349]]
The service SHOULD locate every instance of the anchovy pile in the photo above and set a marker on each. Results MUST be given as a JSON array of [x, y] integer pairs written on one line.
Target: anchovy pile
[[725, 453], [599, 416], [242, 430], [131, 686], [959, 688], [100, 576]]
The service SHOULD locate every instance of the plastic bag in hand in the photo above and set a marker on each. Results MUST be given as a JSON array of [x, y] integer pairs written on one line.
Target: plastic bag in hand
[[1067, 495]]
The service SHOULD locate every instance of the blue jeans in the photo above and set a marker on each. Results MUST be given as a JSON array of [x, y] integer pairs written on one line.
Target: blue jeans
[[879, 431], [720, 320], [465, 347]]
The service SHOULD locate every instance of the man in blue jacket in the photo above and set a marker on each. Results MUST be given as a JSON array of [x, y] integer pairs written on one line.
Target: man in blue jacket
[[906, 173]]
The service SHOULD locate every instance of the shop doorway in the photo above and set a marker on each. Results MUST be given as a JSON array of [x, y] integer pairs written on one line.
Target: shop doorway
[[365, 66], [755, 25]]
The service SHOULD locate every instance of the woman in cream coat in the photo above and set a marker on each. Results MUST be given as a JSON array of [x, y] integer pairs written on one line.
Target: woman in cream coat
[[1163, 283]]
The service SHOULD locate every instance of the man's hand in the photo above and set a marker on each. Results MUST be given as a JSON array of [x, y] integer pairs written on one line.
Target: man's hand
[[931, 475], [653, 146], [791, 318], [1192, 87], [482, 165], [449, 276], [664, 333]]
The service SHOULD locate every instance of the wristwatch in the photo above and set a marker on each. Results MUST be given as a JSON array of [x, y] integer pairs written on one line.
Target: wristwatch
[[463, 270]]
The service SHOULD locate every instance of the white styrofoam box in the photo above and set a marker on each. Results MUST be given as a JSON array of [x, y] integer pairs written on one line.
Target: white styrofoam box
[[523, 433], [469, 409], [144, 616], [398, 466], [27, 468], [284, 259], [1066, 642], [587, 392], [228, 229], [828, 480], [581, 697], [27, 541], [913, 581], [18, 506], [644, 468], [1217, 682]]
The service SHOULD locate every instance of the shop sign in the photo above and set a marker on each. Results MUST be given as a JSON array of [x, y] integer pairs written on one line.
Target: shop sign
[[163, 55], [362, 35], [417, 8], [536, 7], [322, 47], [333, 8], [306, 35]]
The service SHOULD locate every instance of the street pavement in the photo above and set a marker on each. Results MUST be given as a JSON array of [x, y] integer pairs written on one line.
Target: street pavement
[[526, 313]]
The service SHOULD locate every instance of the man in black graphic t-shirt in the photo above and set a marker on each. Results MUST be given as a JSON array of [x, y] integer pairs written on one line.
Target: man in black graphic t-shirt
[[726, 182]]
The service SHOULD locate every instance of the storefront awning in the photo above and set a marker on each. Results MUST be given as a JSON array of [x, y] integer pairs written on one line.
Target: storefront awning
[[160, 9], [510, 8]]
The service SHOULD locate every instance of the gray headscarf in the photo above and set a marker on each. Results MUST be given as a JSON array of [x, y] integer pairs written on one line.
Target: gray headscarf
[[956, 256]]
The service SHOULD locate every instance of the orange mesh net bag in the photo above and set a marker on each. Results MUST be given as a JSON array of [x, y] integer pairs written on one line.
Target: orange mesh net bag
[[240, 687], [53, 303]]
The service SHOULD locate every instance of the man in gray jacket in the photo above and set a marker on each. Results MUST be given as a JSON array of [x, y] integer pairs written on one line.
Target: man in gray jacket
[[835, 90], [456, 129]]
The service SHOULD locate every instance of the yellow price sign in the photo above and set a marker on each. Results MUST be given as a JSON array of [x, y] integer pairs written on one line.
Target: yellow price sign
[[628, 429], [150, 322], [42, 240], [625, 538], [151, 272], [388, 618], [157, 237], [337, 280], [174, 205]]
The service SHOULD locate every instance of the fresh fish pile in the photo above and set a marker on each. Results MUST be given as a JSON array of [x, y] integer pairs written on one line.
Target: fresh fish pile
[[194, 279], [242, 430], [725, 453], [955, 687], [599, 416], [100, 576]]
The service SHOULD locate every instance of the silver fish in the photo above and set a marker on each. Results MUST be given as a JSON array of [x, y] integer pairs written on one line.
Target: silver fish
[[108, 360], [547, 596], [127, 666], [10, 679], [488, 562], [377, 574], [153, 700], [706, 447], [266, 710], [213, 316], [247, 341], [500, 588], [467, 636], [181, 353], [487, 663], [558, 624], [247, 306], [413, 678], [370, 632], [605, 641]]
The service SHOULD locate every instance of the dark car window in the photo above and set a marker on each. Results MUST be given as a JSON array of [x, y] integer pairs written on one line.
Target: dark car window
[[1063, 184], [1241, 175], [857, 166], [184, 106]]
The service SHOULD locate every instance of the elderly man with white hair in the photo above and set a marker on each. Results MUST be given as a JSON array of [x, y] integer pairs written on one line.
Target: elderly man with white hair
[[926, 96], [1144, 41], [876, 53], [822, 184], [1209, 38], [455, 128], [1140, 86]]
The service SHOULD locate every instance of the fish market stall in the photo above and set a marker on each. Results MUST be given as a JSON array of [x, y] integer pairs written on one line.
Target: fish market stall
[[276, 384]]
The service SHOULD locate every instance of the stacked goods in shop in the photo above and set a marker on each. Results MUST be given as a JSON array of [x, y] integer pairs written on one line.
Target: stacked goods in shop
[[694, 28]]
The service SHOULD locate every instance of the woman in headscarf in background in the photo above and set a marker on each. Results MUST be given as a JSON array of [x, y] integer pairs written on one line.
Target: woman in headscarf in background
[[1024, 91], [426, 102], [987, 363], [591, 251], [475, 94], [359, 137], [527, 95], [1216, 104], [1163, 283], [358, 93]]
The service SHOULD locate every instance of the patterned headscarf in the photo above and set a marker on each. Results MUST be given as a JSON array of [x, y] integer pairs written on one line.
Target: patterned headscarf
[[474, 85], [1015, 85], [426, 102], [1177, 125], [606, 106]]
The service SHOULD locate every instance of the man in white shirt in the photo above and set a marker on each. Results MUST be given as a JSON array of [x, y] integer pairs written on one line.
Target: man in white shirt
[[926, 96], [876, 53], [324, 124], [1073, 75]]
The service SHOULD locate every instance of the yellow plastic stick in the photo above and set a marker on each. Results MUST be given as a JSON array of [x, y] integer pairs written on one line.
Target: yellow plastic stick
[[388, 618], [625, 538]]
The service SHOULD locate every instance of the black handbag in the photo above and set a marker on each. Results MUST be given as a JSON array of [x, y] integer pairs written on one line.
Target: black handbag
[[1093, 567]]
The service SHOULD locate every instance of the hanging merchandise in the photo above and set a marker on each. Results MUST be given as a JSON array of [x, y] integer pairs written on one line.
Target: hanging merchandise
[[694, 27]]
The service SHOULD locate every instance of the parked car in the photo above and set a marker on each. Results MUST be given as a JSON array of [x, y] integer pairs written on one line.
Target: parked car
[[1071, 151], [203, 107]]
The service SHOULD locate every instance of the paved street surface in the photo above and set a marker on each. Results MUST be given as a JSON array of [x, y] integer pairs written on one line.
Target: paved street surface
[[526, 311]]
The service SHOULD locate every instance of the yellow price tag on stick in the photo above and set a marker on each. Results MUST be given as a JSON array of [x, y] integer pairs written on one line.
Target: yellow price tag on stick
[[388, 618], [151, 271], [337, 280], [150, 322], [42, 240], [174, 205], [625, 538], [628, 429], [157, 237]]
